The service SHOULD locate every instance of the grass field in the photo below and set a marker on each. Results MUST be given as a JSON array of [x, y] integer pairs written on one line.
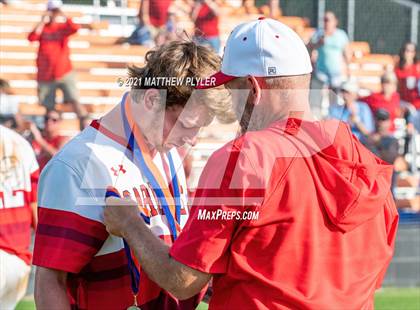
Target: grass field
[[386, 299]]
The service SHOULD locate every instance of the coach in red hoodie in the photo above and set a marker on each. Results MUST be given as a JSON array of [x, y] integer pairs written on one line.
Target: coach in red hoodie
[[294, 214]]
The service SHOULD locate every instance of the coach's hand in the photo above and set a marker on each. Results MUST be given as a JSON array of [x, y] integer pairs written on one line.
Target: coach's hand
[[119, 214]]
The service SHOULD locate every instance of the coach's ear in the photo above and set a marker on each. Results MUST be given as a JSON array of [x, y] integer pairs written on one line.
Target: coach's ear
[[152, 99], [255, 89]]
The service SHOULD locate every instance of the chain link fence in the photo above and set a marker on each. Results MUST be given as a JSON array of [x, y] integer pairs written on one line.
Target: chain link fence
[[385, 24]]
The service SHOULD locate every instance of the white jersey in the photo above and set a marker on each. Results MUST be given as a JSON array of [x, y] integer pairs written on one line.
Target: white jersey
[[76, 179], [18, 177], [17, 164], [71, 235]]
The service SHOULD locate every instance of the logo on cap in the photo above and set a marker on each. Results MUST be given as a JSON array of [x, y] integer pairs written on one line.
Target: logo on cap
[[271, 70]]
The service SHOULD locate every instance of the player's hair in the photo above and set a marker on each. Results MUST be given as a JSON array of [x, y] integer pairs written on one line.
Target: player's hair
[[184, 59]]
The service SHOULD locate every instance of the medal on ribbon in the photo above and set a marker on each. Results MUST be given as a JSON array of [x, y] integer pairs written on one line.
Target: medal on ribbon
[[171, 204]]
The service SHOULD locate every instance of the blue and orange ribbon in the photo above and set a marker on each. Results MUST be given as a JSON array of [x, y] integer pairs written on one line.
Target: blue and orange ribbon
[[134, 271], [141, 157], [171, 205]]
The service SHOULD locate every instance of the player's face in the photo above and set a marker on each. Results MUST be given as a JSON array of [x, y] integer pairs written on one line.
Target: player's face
[[182, 124]]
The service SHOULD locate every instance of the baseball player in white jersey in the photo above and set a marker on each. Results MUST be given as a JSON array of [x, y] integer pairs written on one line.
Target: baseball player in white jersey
[[18, 178], [133, 148]]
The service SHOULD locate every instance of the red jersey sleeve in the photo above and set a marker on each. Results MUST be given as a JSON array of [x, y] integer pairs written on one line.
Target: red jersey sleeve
[[228, 187], [70, 231]]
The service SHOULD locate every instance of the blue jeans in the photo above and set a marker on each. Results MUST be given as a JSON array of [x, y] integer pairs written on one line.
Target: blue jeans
[[213, 42]]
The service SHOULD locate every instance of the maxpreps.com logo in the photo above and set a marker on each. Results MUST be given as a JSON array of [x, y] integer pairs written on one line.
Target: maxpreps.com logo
[[220, 214]]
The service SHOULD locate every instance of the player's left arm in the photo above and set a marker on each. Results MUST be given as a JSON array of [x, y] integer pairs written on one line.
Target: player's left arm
[[183, 282]]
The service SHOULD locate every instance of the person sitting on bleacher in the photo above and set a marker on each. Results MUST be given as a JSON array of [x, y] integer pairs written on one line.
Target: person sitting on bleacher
[[48, 142], [356, 113], [387, 99], [53, 62], [382, 143], [408, 74]]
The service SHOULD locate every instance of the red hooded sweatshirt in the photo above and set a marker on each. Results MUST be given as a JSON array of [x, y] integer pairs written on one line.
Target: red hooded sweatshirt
[[326, 223]]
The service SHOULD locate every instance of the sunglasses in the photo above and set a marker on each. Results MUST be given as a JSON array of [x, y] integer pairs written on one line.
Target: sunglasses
[[53, 119]]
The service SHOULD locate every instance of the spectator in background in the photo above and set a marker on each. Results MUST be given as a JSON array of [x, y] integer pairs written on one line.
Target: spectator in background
[[269, 8], [332, 52], [154, 15], [408, 74], [415, 119], [18, 179], [387, 99], [356, 113], [10, 115], [169, 34], [247, 7], [49, 141], [9, 106], [382, 143], [205, 15], [53, 62]]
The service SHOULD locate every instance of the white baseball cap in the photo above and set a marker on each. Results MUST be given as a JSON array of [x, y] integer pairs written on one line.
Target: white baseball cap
[[54, 4], [350, 86], [261, 48]]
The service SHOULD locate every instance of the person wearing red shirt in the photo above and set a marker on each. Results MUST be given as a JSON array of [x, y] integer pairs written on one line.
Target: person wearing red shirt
[[387, 99], [53, 61], [293, 214], [408, 74], [154, 14], [48, 143], [205, 15]]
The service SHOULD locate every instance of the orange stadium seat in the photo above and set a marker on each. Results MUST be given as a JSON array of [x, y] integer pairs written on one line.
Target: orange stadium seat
[[387, 61], [31, 109], [359, 48]]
